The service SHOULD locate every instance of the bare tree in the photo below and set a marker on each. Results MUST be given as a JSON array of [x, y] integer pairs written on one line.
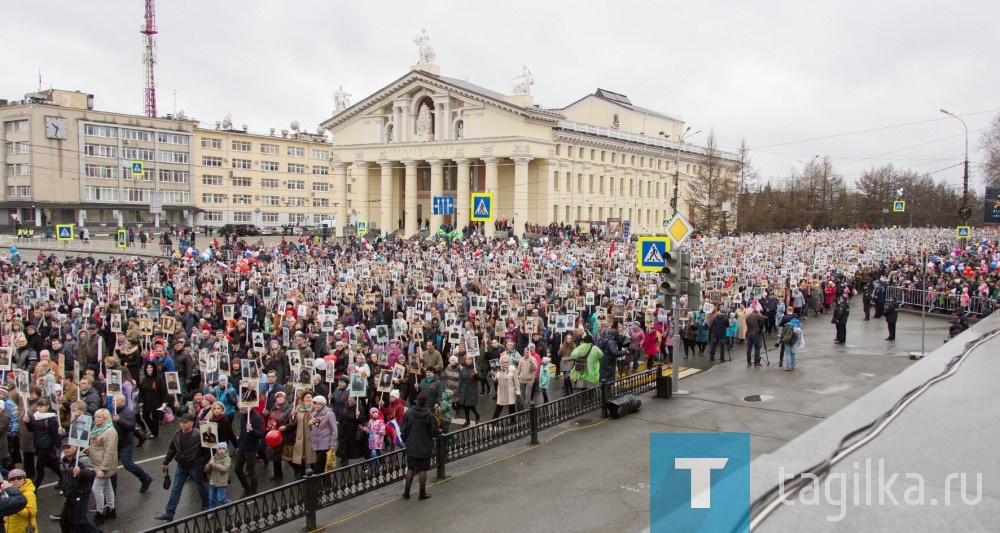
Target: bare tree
[[991, 145], [748, 179], [714, 183]]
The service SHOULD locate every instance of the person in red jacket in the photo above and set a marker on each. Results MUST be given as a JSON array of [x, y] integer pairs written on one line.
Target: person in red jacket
[[829, 294], [651, 345]]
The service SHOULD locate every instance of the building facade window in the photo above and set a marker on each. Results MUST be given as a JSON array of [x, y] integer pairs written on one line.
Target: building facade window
[[208, 142], [296, 185], [271, 149], [91, 130], [241, 146], [138, 135], [172, 138], [319, 154], [320, 170], [269, 166], [297, 218], [175, 197], [321, 202], [211, 161], [173, 157], [137, 196], [244, 164], [296, 168], [321, 187], [242, 199], [269, 218], [15, 126], [269, 200], [211, 180], [296, 151], [24, 191], [242, 182], [243, 216], [102, 194], [174, 176], [296, 201], [212, 216], [138, 154], [211, 198], [103, 150], [101, 171], [269, 183]]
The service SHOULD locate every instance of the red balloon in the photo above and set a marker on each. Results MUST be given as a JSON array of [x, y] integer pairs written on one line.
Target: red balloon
[[273, 438]]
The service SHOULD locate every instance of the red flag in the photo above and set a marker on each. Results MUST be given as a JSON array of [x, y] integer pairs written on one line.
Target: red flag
[[612, 250]]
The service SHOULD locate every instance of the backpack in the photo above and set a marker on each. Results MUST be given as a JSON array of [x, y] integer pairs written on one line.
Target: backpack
[[580, 363], [788, 335]]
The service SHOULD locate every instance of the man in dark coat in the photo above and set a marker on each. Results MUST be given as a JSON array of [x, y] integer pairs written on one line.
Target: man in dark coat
[[124, 419], [718, 332], [840, 314], [245, 462], [419, 431], [609, 348], [891, 313]]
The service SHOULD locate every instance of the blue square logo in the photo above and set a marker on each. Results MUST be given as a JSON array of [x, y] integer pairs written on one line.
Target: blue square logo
[[699, 482]]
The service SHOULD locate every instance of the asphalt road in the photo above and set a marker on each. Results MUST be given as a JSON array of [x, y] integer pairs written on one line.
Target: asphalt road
[[593, 475], [601, 466]]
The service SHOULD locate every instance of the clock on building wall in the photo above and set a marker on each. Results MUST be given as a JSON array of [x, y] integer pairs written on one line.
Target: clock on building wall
[[56, 128]]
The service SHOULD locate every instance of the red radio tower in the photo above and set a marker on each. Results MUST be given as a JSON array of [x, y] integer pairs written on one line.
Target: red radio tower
[[149, 58]]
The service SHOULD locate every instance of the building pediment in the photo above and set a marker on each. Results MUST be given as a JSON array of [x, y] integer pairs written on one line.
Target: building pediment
[[415, 85]]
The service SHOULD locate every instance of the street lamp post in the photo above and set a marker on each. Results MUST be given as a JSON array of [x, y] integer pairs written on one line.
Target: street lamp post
[[964, 213], [677, 164]]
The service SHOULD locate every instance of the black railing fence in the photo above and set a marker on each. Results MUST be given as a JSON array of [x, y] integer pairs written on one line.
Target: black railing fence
[[302, 498]]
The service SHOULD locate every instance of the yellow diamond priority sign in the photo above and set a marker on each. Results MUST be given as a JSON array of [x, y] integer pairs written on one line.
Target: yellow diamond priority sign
[[679, 229]]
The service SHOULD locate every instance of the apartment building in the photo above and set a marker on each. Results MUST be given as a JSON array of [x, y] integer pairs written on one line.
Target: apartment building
[[64, 162]]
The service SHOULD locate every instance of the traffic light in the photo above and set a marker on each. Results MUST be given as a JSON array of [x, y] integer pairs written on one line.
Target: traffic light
[[670, 274]]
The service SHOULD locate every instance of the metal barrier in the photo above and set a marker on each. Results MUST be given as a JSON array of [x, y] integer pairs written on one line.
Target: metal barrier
[[302, 498], [261, 512], [941, 302]]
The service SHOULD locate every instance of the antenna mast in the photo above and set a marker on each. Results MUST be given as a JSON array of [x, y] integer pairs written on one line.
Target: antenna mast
[[149, 58]]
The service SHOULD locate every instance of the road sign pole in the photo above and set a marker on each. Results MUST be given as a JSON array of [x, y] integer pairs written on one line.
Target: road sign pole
[[674, 367]]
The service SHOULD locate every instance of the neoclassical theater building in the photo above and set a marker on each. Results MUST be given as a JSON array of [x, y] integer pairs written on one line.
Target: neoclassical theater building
[[599, 160]]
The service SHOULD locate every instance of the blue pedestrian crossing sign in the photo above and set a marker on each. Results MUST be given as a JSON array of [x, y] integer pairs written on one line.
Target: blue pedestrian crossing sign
[[899, 206], [651, 253], [362, 227], [963, 232], [138, 168], [64, 232], [482, 207], [122, 238], [443, 205]]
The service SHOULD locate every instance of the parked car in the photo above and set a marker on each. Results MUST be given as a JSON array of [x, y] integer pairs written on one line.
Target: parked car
[[240, 230]]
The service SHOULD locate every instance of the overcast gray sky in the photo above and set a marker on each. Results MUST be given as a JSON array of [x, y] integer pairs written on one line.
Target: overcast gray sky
[[786, 76]]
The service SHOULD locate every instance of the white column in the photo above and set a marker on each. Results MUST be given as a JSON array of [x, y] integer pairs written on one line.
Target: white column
[[462, 196], [339, 197], [360, 196], [410, 199], [492, 184], [385, 203], [521, 214], [437, 189], [552, 195], [404, 123]]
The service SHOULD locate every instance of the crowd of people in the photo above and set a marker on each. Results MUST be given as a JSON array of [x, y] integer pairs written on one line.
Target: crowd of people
[[307, 356]]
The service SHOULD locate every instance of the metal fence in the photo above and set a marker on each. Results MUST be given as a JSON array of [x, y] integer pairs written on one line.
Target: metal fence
[[946, 303], [302, 498]]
